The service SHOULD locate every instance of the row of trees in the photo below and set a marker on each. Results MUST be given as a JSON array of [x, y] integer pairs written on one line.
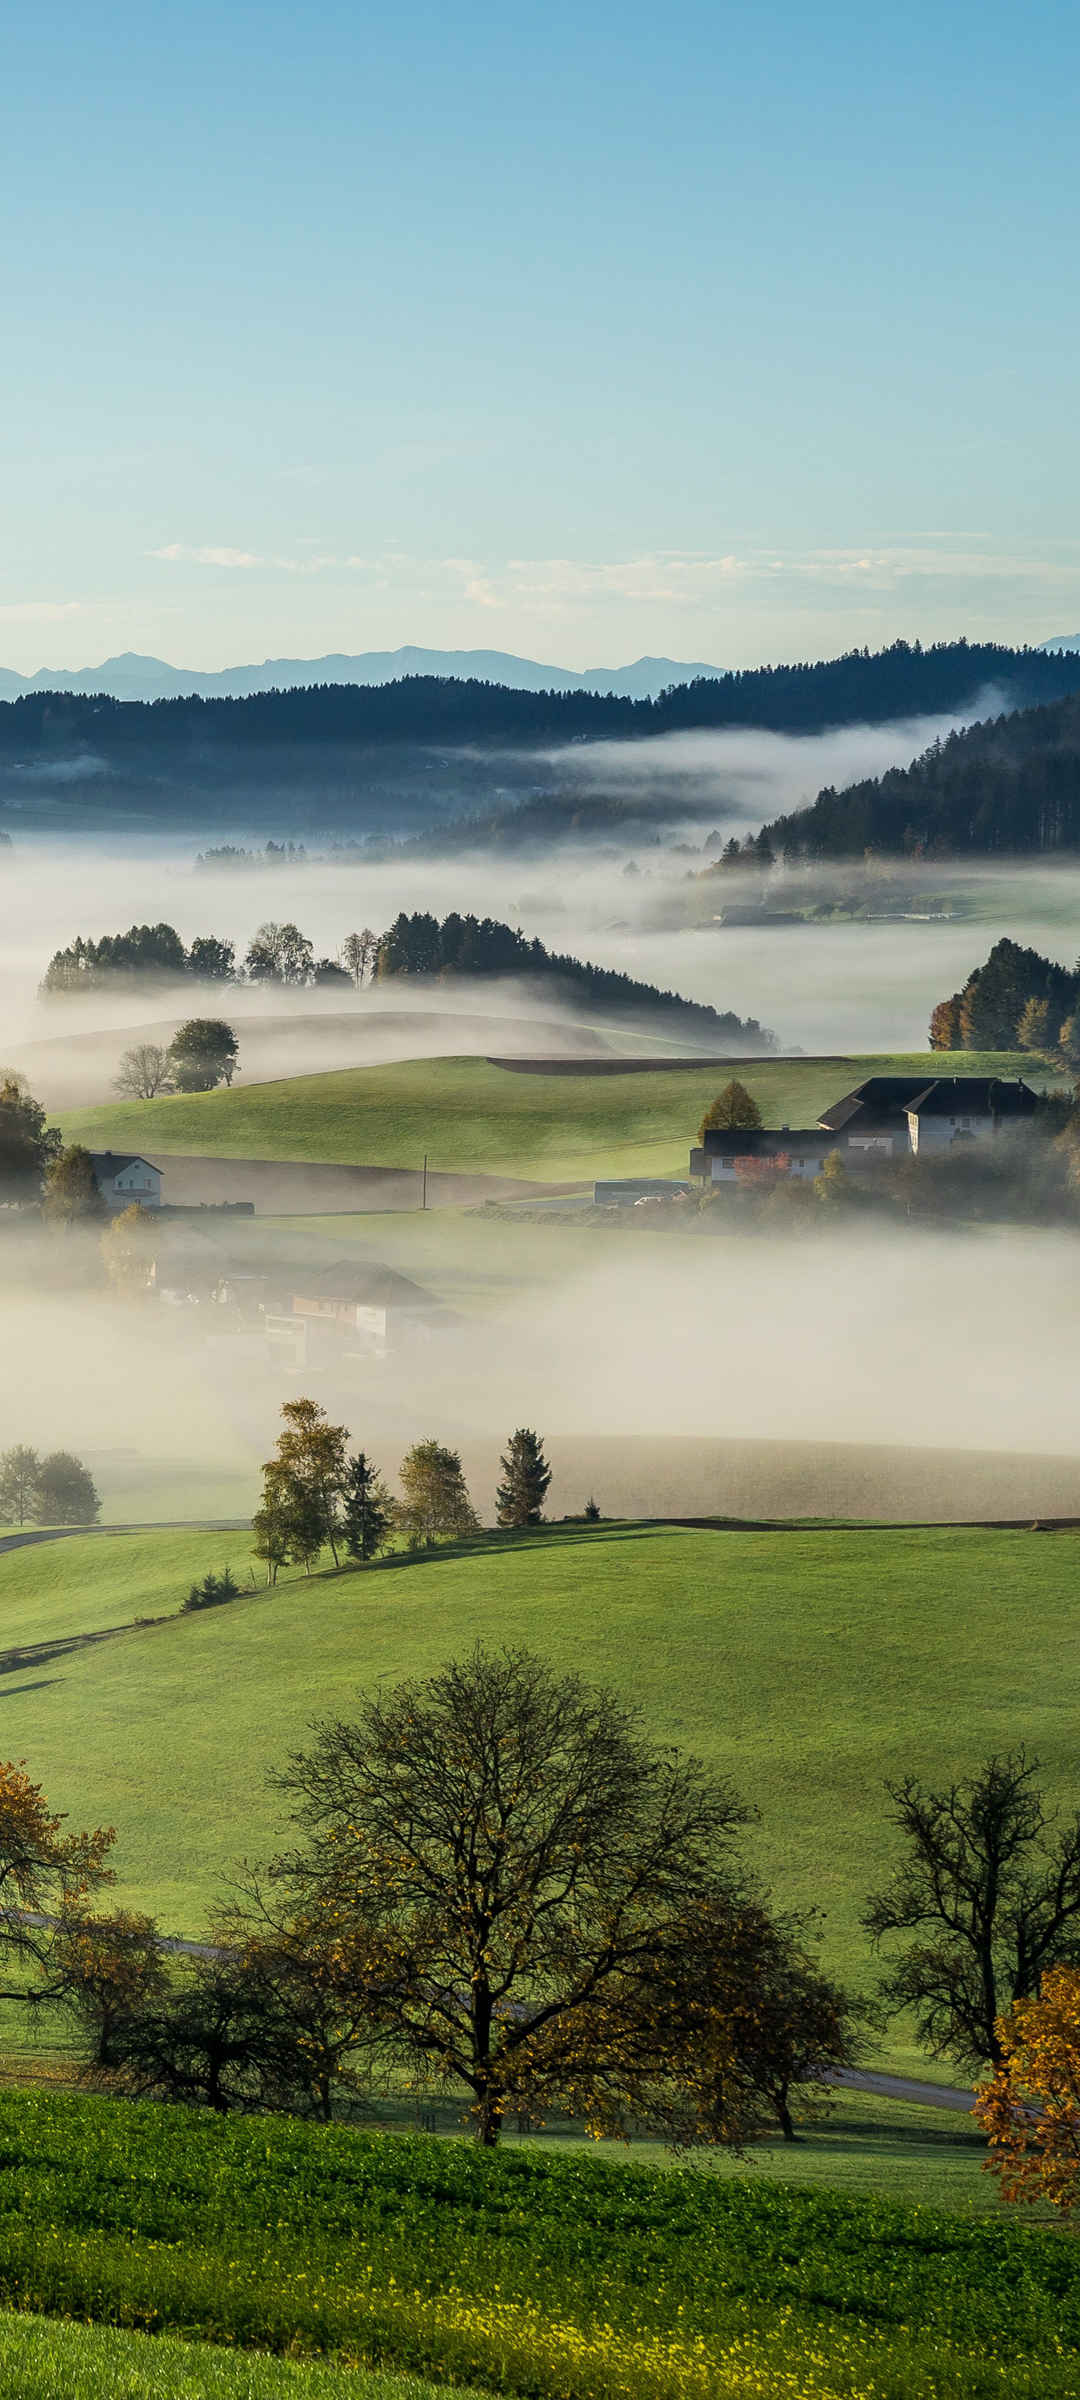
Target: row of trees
[[56, 1490], [1017, 1000], [422, 945], [277, 953], [413, 945], [202, 1053], [317, 1495]]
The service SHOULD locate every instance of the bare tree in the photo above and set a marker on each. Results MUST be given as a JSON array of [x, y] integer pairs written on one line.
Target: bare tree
[[143, 1071], [992, 1893]]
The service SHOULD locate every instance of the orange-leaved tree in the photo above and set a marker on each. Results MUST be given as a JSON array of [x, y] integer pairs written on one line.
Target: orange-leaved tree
[[48, 1878], [1030, 2111]]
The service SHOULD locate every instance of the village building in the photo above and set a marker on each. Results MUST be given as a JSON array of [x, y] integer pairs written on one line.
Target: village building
[[887, 1117], [123, 1180]]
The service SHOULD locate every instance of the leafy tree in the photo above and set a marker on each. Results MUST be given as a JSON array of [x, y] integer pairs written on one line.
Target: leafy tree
[[27, 1145], [128, 1246], [280, 954], [47, 1877], [358, 954], [735, 1107], [203, 1053], [66, 1491], [271, 1525], [72, 1195], [1030, 2110], [304, 1481], [990, 1890], [1033, 1030], [367, 1511], [502, 1852], [435, 1497], [753, 2024], [326, 972], [143, 1071], [113, 1971], [1068, 1043], [20, 1470], [833, 1187], [520, 1497], [211, 960], [945, 1026]]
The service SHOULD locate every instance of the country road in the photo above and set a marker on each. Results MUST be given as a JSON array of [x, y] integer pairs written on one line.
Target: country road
[[65, 1533]]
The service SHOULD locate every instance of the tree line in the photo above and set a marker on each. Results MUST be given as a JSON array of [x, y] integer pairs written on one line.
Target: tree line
[[416, 945], [1017, 1000], [1009, 785], [317, 1495], [56, 1490], [905, 679]]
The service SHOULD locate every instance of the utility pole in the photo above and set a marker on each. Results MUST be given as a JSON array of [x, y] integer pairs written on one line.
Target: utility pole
[[423, 1186]]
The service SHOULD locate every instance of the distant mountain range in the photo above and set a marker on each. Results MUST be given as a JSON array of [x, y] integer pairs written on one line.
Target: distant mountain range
[[1062, 641], [132, 677]]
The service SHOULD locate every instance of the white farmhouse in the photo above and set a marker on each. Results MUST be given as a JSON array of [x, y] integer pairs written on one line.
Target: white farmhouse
[[122, 1180]]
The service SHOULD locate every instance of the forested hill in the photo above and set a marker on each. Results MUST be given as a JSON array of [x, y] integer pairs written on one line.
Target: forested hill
[[902, 681], [1010, 785]]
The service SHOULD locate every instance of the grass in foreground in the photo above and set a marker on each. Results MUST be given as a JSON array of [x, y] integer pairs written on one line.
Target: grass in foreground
[[808, 1665], [470, 1116], [560, 2279], [43, 2358]]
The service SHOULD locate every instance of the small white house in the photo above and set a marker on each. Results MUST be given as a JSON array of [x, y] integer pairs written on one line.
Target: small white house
[[123, 1181]]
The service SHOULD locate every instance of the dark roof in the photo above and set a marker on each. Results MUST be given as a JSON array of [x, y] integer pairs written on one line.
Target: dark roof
[[731, 1141], [113, 1162], [888, 1096], [370, 1286], [879, 1096], [973, 1096]]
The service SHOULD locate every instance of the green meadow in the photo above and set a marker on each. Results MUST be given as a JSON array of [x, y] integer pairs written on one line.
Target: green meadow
[[471, 1116], [47, 2358], [808, 1665]]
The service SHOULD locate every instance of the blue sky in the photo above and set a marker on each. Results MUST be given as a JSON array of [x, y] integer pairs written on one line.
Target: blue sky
[[719, 332]]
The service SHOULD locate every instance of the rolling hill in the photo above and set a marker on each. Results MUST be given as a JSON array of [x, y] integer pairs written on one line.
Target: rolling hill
[[1010, 786], [475, 1115], [809, 1665]]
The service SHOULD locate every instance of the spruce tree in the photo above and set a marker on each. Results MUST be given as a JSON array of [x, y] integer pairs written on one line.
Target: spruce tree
[[520, 1496], [366, 1508]]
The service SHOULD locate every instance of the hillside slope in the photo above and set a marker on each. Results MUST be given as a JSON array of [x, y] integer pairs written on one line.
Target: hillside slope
[[809, 1665], [1011, 785], [469, 1114]]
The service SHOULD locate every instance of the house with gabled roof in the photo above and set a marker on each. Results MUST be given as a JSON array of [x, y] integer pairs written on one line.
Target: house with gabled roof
[[888, 1116], [123, 1180]]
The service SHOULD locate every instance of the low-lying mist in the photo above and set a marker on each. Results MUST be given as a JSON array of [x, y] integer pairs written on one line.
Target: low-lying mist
[[705, 1377]]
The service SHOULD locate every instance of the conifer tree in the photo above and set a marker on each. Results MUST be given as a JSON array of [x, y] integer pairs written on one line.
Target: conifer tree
[[366, 1508], [520, 1496]]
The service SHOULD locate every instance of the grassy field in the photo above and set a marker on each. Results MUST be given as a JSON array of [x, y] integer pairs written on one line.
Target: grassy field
[[555, 2278], [45, 2358], [807, 1665], [471, 1116]]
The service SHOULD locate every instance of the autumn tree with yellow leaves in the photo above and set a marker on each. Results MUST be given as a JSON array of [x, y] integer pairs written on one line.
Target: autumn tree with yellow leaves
[[1030, 2111]]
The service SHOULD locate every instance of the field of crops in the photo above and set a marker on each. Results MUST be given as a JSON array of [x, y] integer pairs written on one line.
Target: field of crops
[[470, 1115], [556, 2278]]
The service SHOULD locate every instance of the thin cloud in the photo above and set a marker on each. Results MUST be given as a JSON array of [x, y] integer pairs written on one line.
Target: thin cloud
[[206, 554], [38, 612]]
